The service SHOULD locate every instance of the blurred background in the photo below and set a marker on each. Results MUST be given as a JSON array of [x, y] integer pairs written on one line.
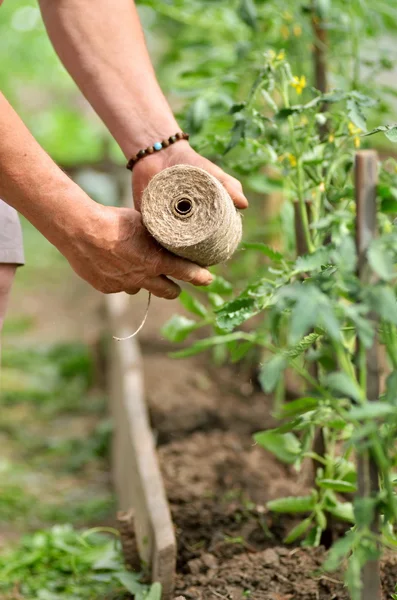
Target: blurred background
[[54, 432]]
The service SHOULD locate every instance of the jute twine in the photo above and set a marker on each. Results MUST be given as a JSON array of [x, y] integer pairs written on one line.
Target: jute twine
[[190, 213]]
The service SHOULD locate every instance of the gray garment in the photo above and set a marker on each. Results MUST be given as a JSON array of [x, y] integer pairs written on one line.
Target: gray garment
[[11, 244]]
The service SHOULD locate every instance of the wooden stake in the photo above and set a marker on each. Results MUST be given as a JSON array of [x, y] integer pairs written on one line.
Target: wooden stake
[[368, 478], [136, 473]]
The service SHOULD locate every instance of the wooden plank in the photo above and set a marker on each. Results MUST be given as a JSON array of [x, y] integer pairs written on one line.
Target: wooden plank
[[366, 176], [138, 482]]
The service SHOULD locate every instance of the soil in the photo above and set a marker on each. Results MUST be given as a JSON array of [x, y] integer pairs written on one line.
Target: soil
[[218, 481]]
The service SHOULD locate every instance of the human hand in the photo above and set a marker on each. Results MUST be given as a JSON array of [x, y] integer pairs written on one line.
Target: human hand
[[181, 153], [113, 252]]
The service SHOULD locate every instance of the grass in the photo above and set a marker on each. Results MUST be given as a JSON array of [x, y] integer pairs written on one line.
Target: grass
[[65, 564], [55, 434]]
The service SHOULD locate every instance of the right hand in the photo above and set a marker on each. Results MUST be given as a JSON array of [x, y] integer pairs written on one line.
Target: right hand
[[114, 252]]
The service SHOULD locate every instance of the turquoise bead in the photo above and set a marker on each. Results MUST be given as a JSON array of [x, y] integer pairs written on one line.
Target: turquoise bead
[[157, 146]]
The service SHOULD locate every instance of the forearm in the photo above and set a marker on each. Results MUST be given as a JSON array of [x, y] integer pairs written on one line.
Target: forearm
[[102, 45], [32, 183]]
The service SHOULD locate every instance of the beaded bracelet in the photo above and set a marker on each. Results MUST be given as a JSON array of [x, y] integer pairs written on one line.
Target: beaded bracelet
[[156, 148]]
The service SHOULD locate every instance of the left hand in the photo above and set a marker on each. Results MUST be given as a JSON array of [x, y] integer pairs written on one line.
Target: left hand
[[176, 154]]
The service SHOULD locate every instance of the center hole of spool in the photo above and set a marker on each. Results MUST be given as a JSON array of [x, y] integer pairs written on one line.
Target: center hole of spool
[[183, 206]]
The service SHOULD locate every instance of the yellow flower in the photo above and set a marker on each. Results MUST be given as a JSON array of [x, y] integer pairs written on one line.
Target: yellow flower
[[353, 130], [331, 138], [297, 30], [387, 227], [281, 55], [321, 187], [272, 54], [299, 83], [357, 142], [304, 120], [284, 30], [292, 160], [287, 16]]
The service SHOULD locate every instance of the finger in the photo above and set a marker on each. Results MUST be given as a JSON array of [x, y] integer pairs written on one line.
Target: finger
[[234, 188], [183, 269], [162, 287], [132, 290]]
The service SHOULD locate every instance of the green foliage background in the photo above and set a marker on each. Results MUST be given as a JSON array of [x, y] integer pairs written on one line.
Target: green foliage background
[[36, 84]]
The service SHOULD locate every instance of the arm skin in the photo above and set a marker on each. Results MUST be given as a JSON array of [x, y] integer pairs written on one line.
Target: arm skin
[[108, 247], [102, 46]]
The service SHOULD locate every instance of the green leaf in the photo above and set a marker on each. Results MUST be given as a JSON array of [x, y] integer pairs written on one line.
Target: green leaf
[[154, 592], [130, 582], [381, 260], [339, 552], [252, 300], [238, 132], [382, 299], [261, 183], [328, 320], [364, 511], [321, 518], [238, 107], [311, 262], [313, 539], [337, 485], [343, 384], [293, 505], [304, 315], [248, 13], [197, 115], [192, 304], [239, 351], [212, 342], [219, 285], [215, 300], [390, 131], [265, 249], [353, 578], [306, 343], [271, 372], [391, 388], [178, 328], [269, 100], [285, 446], [298, 531], [372, 410], [234, 313], [300, 406], [355, 114], [323, 8], [342, 511], [345, 255]]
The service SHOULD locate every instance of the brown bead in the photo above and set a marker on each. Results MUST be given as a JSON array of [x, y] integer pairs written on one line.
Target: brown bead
[[165, 143], [179, 136], [172, 139], [141, 154], [150, 150], [132, 162]]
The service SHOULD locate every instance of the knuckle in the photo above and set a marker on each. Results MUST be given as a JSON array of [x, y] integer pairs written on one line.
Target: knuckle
[[156, 263]]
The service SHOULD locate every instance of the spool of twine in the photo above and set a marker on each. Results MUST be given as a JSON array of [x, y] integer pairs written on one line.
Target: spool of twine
[[190, 213]]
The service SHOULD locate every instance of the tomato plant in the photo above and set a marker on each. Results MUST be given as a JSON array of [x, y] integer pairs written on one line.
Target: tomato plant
[[313, 311]]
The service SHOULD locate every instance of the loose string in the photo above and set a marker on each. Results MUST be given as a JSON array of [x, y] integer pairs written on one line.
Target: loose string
[[140, 326]]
